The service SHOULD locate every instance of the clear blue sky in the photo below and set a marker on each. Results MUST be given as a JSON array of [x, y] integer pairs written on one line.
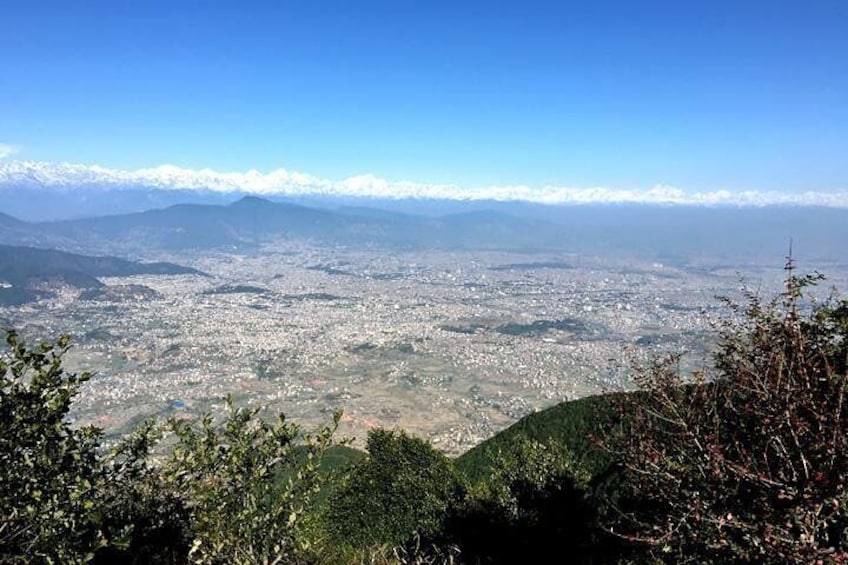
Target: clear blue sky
[[698, 94]]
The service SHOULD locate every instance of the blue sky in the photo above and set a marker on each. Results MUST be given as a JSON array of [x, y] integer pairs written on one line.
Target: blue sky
[[702, 95]]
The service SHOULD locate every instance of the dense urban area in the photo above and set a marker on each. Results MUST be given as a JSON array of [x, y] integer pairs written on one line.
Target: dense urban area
[[451, 345]]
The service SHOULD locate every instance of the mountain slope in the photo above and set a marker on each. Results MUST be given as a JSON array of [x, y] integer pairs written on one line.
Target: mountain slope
[[7, 221], [194, 226], [22, 269], [572, 424], [674, 235], [251, 220]]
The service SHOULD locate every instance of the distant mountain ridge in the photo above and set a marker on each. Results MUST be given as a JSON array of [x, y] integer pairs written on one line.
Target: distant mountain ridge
[[24, 269], [667, 233], [249, 221]]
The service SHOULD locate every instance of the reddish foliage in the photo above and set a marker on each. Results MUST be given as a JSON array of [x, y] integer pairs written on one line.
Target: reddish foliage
[[748, 462]]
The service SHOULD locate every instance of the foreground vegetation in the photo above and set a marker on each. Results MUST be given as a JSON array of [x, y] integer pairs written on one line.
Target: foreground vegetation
[[745, 462]]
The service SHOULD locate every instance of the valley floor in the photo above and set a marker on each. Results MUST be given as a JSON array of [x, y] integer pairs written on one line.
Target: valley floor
[[453, 346]]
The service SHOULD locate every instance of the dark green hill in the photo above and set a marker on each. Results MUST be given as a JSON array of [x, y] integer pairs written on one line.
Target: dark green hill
[[340, 457], [15, 296], [121, 293], [236, 289], [571, 424], [23, 268], [20, 264]]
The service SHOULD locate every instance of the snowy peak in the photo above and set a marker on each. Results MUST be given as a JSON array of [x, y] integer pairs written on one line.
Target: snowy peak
[[282, 182]]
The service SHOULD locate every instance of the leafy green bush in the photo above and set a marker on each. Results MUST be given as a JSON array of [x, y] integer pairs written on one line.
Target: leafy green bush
[[51, 476], [237, 492], [534, 504], [140, 501], [249, 486], [402, 488]]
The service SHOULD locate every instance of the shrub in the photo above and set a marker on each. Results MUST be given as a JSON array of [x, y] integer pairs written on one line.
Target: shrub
[[140, 502], [50, 472], [535, 504], [402, 488], [237, 492], [746, 462], [249, 486]]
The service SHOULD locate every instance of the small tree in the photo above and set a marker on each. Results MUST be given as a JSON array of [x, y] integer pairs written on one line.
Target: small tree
[[402, 488], [50, 472], [534, 505], [249, 486], [237, 492], [747, 462], [63, 498], [140, 508]]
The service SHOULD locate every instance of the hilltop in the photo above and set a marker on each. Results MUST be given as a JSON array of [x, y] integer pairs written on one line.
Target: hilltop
[[23, 270], [574, 425]]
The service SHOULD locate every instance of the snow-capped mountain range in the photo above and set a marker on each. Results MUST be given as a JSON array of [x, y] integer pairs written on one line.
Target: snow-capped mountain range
[[283, 182]]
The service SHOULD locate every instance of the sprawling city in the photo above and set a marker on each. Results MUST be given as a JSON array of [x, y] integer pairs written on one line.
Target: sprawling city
[[451, 345]]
